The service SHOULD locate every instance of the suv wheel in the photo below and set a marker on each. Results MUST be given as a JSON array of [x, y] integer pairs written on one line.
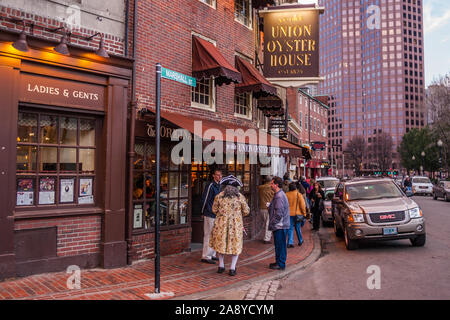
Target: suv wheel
[[349, 243], [419, 241], [337, 231]]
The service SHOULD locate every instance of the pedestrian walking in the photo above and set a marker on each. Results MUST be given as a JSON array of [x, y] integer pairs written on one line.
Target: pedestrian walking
[[265, 193], [297, 213], [286, 182], [317, 196], [279, 223], [227, 234], [210, 192]]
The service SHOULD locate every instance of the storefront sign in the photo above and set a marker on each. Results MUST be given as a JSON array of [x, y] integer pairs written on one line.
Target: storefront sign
[[51, 91], [291, 44], [318, 145], [249, 148]]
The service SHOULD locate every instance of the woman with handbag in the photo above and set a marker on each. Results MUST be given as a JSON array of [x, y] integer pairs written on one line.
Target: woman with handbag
[[317, 197], [297, 212]]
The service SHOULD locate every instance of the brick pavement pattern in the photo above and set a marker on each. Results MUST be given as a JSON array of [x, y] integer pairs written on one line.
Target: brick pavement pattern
[[183, 274]]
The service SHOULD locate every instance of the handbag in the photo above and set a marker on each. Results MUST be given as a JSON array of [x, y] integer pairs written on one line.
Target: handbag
[[299, 218]]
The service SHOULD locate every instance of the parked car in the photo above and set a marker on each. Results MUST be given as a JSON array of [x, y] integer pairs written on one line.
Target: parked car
[[422, 185], [376, 209], [442, 190], [327, 217]]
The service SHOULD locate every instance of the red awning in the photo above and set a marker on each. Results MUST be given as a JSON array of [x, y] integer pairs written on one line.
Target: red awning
[[208, 62], [253, 80], [262, 139], [271, 105]]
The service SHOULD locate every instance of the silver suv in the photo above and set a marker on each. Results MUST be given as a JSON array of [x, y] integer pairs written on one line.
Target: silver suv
[[375, 209]]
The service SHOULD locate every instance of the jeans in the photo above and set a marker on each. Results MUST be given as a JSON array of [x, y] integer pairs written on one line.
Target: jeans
[[279, 237], [298, 230]]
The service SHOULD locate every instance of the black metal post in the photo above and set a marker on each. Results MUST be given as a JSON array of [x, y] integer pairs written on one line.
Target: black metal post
[[158, 183], [440, 163]]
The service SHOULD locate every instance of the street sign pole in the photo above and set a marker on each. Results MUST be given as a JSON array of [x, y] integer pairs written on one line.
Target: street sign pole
[[158, 141], [190, 81]]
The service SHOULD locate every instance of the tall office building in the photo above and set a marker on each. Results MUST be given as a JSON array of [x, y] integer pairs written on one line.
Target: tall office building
[[372, 62]]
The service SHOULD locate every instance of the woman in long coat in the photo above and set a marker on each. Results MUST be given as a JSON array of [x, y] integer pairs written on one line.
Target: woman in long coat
[[227, 234]]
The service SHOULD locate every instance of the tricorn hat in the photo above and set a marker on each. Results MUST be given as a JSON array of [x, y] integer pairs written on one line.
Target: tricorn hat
[[231, 181]]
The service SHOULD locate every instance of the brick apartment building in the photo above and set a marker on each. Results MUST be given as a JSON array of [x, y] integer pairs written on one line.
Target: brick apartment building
[[312, 133]]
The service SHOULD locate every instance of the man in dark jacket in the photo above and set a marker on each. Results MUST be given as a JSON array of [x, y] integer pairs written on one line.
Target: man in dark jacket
[[211, 190], [279, 223]]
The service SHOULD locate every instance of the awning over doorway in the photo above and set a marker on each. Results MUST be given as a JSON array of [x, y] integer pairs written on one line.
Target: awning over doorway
[[265, 142], [208, 62], [253, 81]]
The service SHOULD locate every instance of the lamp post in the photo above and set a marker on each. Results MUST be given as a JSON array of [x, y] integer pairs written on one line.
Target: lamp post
[[440, 143], [413, 159], [423, 163]]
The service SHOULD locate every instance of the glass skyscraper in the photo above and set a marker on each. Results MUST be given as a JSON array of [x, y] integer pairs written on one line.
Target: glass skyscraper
[[372, 61]]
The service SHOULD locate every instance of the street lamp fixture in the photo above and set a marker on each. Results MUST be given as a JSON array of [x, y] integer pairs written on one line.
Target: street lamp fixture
[[440, 143], [423, 164]]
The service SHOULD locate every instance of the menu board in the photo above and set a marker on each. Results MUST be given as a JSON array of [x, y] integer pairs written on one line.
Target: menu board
[[25, 192], [137, 223]]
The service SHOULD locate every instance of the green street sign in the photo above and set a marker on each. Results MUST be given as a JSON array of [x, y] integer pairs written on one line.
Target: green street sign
[[179, 77]]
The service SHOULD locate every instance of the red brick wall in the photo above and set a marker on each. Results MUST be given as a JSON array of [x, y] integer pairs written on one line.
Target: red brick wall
[[113, 44], [171, 241], [75, 235], [164, 36]]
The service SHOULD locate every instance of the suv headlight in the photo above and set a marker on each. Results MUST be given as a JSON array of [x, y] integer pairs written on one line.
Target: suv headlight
[[356, 217], [415, 213]]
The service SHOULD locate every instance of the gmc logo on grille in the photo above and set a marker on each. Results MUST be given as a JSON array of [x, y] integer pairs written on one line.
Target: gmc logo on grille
[[387, 216]]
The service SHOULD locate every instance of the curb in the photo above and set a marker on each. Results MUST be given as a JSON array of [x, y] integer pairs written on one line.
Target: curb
[[241, 285]]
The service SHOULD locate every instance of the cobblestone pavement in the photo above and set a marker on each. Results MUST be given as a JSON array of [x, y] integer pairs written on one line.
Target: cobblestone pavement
[[181, 274], [263, 290]]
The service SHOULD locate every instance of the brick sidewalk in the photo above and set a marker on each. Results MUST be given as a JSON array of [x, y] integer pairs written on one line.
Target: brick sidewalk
[[183, 274]]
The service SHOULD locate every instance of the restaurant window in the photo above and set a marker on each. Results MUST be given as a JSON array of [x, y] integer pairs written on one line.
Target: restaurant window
[[201, 175], [56, 159], [242, 11], [243, 104], [174, 187], [202, 95]]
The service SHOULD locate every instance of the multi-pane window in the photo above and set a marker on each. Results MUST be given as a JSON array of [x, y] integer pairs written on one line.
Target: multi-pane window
[[56, 156], [203, 94], [212, 3], [174, 187], [242, 104], [242, 11]]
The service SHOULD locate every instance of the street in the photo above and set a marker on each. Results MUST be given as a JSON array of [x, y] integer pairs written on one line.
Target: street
[[406, 272]]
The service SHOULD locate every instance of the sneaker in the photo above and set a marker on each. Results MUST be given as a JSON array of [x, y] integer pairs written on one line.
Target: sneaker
[[208, 261]]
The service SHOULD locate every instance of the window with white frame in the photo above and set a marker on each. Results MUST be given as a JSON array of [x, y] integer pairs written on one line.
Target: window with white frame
[[243, 104], [203, 94], [211, 3], [243, 12]]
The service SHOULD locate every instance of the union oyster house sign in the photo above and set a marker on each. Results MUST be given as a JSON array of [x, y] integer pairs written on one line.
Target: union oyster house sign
[[291, 43]]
